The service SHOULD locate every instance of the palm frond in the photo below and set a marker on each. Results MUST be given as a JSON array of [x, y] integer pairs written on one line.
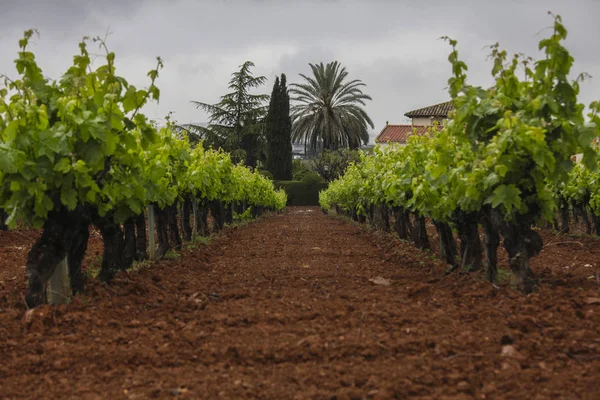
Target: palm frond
[[328, 109]]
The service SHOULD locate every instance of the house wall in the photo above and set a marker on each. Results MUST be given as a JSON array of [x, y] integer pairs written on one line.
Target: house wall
[[426, 120], [421, 121]]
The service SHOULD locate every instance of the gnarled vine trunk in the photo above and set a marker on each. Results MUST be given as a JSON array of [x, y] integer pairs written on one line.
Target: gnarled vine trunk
[[402, 223], [114, 246], [369, 210], [491, 221], [3, 216], [173, 226], [65, 234], [521, 243], [564, 217], [186, 211], [582, 211], [162, 231], [76, 254], [257, 211], [381, 219], [141, 242], [354, 213], [362, 217], [129, 244], [201, 221], [218, 214], [229, 213], [470, 243], [448, 249], [596, 221], [419, 232]]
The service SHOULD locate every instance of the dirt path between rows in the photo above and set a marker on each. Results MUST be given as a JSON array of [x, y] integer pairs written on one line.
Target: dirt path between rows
[[294, 306]]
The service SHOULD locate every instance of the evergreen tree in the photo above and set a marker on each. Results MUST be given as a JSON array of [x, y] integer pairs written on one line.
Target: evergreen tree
[[279, 132], [236, 123]]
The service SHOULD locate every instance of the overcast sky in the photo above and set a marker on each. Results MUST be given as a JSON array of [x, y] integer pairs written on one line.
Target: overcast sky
[[392, 46]]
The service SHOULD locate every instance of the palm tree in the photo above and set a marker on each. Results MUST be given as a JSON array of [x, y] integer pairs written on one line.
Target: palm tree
[[328, 110]]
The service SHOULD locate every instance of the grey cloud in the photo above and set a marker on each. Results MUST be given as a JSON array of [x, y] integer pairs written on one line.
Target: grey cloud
[[392, 46], [292, 66]]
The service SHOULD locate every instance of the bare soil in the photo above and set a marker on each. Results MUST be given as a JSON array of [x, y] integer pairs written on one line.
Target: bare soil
[[303, 305]]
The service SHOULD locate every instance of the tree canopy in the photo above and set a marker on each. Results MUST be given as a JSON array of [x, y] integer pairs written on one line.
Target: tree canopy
[[236, 122], [279, 131], [328, 109]]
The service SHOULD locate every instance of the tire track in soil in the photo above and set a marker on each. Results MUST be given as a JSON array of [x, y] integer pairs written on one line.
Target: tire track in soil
[[283, 308]]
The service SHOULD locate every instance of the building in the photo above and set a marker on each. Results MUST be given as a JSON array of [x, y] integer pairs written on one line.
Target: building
[[421, 120], [428, 115]]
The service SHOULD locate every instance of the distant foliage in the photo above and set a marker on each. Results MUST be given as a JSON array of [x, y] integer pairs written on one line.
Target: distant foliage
[[279, 132], [331, 165], [328, 109], [497, 162], [78, 151], [299, 170], [237, 121]]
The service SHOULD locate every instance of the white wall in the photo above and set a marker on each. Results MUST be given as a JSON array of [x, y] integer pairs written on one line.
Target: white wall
[[422, 121]]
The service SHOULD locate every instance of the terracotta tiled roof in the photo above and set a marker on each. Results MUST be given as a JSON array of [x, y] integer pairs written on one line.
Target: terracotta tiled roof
[[399, 133], [437, 110]]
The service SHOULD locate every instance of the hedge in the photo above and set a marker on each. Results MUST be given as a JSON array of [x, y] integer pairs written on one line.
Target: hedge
[[301, 193]]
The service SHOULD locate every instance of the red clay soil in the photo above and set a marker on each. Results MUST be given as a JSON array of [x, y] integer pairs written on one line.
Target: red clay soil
[[302, 305], [14, 246]]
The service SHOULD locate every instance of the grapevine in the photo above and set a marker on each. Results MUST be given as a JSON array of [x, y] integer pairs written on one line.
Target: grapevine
[[78, 151], [494, 163]]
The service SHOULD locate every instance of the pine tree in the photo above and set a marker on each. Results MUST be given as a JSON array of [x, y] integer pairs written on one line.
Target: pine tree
[[237, 121], [279, 132]]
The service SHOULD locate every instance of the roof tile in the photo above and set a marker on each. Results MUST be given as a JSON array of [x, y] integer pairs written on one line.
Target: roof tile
[[437, 110], [399, 133]]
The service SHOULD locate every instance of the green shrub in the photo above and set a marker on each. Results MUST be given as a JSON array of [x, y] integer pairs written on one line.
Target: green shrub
[[312, 179], [333, 164], [266, 174], [302, 193], [299, 169]]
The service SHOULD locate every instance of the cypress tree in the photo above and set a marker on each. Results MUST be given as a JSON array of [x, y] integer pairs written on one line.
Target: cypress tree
[[279, 132]]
